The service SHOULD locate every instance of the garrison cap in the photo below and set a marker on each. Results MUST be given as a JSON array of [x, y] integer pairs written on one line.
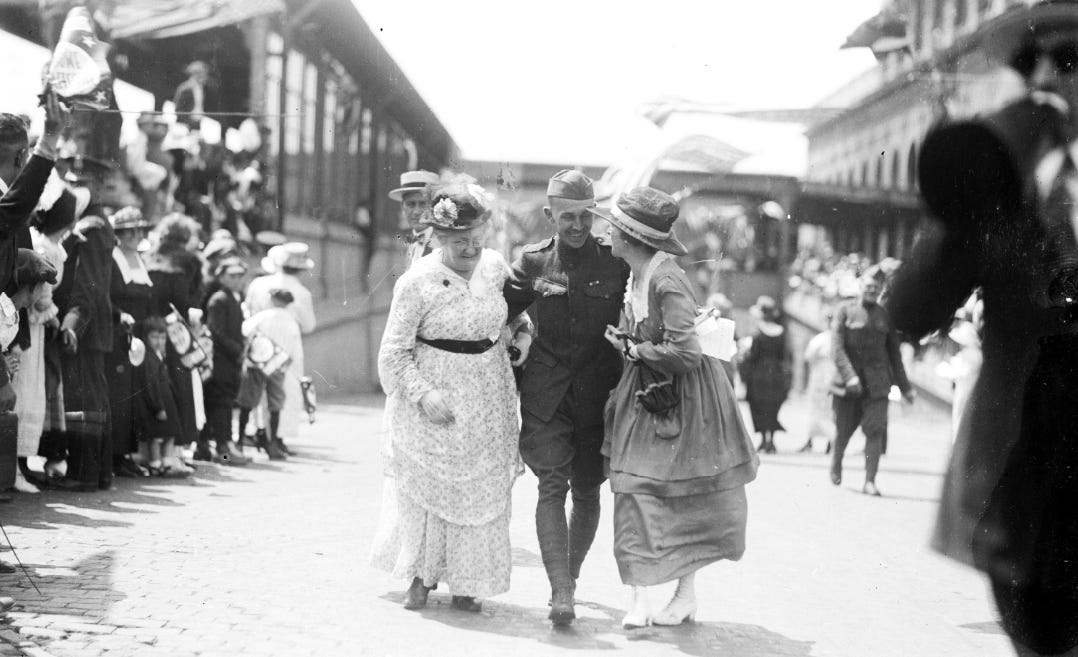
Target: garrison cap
[[572, 185]]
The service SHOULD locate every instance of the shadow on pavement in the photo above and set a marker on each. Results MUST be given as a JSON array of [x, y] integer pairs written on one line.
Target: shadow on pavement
[[84, 589], [598, 627]]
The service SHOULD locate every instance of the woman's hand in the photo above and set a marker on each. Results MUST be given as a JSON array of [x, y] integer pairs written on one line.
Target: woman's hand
[[613, 336], [523, 342], [435, 407]]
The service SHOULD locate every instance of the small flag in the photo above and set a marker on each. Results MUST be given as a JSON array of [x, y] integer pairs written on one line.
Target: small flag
[[78, 72]]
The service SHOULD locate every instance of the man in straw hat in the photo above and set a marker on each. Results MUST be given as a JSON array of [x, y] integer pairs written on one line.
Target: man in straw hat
[[1001, 189], [574, 287], [414, 197]]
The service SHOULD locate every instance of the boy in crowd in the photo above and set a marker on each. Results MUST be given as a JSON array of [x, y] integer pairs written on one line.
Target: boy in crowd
[[224, 317], [158, 423], [271, 334]]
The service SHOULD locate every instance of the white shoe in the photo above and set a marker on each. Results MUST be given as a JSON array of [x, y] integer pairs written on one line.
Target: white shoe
[[24, 486], [679, 610], [639, 615]]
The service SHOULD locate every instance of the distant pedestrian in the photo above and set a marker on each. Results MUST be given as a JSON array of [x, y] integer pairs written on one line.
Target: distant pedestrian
[[820, 374], [766, 371], [414, 197], [865, 347], [678, 453]]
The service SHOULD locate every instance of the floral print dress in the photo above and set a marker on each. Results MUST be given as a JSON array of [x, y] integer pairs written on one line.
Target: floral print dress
[[445, 516]]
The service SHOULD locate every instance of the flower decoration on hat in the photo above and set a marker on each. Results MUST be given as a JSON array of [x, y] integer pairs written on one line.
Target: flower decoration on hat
[[444, 213]]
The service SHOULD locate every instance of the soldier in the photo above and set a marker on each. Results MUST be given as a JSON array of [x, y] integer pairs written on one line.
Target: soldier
[[865, 348], [577, 288], [414, 197]]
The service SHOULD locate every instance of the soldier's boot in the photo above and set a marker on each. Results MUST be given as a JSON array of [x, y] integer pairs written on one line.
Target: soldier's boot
[[583, 523], [553, 533]]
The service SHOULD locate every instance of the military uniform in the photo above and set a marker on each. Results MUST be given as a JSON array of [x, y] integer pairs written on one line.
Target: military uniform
[[573, 294], [865, 345]]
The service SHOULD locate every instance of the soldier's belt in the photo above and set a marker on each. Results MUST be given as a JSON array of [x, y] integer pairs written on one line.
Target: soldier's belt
[[460, 346]]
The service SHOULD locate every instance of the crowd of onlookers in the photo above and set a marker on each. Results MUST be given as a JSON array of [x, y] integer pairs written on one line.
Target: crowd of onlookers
[[132, 322]]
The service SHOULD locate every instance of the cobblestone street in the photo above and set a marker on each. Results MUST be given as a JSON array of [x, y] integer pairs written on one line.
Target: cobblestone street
[[271, 560]]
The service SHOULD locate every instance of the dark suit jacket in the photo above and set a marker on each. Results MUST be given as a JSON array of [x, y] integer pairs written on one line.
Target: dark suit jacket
[[865, 345], [573, 294], [224, 318]]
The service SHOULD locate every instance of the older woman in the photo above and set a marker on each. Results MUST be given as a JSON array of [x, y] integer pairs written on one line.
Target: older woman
[[451, 413], [679, 454]]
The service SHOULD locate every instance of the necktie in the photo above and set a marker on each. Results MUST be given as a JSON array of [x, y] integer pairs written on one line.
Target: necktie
[[1061, 222]]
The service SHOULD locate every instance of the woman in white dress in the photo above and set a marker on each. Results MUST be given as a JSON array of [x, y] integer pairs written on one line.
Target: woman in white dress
[[285, 263], [451, 414]]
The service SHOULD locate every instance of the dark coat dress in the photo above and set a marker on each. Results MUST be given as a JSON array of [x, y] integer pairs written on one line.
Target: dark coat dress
[[765, 369], [134, 299]]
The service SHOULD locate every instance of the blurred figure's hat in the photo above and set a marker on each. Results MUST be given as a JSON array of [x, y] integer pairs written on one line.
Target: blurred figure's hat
[[1006, 36], [231, 265], [414, 181], [572, 185]]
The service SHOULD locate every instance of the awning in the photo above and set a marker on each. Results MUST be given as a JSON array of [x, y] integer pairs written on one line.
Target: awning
[[834, 204], [161, 19]]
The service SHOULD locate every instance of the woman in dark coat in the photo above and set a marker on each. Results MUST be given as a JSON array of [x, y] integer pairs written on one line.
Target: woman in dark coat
[[176, 272], [765, 369], [130, 291]]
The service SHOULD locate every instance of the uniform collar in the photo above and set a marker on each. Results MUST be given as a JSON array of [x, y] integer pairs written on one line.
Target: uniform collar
[[569, 253]]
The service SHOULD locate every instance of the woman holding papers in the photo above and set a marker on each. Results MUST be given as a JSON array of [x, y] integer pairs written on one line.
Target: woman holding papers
[[679, 454]]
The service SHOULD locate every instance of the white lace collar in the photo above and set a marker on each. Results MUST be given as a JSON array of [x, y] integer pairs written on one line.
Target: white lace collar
[[131, 274], [636, 296]]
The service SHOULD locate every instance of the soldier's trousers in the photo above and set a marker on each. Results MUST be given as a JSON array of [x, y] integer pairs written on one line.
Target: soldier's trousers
[[564, 457], [871, 416]]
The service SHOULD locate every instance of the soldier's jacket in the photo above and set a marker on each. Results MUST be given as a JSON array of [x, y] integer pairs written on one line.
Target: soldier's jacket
[[865, 345], [571, 295]]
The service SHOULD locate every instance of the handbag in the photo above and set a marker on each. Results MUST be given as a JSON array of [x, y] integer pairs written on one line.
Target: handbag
[[657, 393]]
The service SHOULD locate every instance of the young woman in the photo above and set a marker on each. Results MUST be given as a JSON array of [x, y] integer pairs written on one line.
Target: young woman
[[679, 474]]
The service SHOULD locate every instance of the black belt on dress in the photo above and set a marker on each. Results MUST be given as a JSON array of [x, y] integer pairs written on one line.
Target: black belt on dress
[[460, 346]]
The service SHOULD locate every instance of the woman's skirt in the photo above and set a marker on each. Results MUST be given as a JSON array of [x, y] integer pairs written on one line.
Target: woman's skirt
[[659, 539], [413, 542]]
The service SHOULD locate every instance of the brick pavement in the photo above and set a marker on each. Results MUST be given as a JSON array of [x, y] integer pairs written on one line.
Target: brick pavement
[[271, 560]]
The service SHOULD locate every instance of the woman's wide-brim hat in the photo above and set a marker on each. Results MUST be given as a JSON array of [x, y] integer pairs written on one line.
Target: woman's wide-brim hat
[[128, 219], [648, 215], [1021, 24], [291, 255]]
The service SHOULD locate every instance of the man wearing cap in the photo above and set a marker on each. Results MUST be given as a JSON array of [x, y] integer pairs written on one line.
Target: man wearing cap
[[573, 287], [414, 197], [864, 345], [1001, 188]]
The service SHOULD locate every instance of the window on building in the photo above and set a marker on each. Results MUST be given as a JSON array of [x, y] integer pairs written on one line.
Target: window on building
[[864, 175], [960, 13], [911, 168], [896, 169]]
